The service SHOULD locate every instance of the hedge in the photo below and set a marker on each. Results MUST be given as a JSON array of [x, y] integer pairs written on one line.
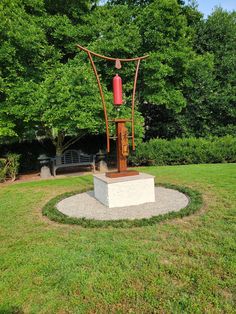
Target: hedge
[[185, 151]]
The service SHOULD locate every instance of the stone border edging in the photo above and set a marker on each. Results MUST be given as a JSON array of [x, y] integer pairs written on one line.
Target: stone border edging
[[52, 213]]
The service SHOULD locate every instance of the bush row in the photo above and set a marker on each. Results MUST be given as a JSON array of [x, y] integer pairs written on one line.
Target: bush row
[[185, 151], [9, 167]]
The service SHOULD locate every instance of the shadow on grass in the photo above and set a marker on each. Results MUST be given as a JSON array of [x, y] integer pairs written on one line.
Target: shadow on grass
[[10, 310]]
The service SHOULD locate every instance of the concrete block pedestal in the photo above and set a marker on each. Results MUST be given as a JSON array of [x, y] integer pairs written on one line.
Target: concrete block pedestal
[[124, 191]]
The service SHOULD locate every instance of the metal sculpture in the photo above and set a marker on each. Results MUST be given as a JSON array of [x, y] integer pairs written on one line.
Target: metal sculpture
[[122, 138]]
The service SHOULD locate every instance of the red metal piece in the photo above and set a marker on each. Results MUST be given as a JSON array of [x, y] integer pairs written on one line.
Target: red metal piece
[[117, 90]]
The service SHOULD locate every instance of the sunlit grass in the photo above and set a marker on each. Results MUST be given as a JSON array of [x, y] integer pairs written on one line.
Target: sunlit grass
[[179, 266]]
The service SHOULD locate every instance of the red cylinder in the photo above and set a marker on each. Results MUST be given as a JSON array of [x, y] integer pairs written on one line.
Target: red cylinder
[[117, 90]]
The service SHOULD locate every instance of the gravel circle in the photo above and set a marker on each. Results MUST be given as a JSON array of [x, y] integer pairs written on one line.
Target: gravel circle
[[84, 205]]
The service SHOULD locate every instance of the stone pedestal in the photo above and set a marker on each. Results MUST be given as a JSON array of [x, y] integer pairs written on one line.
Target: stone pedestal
[[124, 191], [102, 166], [45, 172]]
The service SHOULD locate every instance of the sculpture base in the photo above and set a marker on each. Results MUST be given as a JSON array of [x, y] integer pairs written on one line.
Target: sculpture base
[[102, 166], [124, 191], [45, 172], [122, 174]]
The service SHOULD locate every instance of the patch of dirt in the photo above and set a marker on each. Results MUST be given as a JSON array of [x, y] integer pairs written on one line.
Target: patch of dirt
[[35, 176], [32, 176]]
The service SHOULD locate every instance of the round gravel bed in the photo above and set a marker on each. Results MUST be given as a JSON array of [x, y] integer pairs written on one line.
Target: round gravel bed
[[84, 205]]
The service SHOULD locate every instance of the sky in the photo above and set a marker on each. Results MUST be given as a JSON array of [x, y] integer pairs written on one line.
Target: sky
[[206, 6]]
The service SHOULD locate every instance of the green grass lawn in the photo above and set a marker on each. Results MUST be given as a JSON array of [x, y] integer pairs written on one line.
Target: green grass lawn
[[178, 266]]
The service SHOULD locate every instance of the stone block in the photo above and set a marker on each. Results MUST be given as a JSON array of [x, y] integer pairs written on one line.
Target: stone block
[[45, 172], [124, 191]]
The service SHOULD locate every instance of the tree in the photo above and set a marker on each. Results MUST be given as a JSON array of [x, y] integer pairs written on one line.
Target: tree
[[165, 30], [111, 30], [6, 130], [25, 55], [199, 89], [186, 87], [208, 84], [65, 103], [65, 106], [217, 35], [165, 36], [133, 3], [45, 92]]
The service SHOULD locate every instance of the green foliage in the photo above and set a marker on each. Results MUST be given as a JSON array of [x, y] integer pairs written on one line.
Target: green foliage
[[185, 88], [6, 129], [3, 169], [185, 151], [165, 36], [12, 164], [112, 31], [67, 99], [218, 37], [67, 102], [196, 119], [9, 167], [208, 84], [47, 93]]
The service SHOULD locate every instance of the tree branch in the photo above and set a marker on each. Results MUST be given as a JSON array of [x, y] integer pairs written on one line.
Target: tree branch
[[71, 142]]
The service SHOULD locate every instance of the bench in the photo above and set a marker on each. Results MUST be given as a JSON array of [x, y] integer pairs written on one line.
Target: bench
[[72, 158]]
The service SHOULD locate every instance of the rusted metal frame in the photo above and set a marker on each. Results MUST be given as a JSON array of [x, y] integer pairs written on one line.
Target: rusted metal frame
[[133, 102], [109, 58], [115, 137], [138, 59], [115, 120], [102, 97], [121, 158]]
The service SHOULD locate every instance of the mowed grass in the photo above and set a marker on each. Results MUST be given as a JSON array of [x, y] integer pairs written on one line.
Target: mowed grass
[[178, 266]]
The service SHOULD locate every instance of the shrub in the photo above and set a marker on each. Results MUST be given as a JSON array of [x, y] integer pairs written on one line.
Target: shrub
[[9, 167], [2, 170], [185, 151], [13, 164]]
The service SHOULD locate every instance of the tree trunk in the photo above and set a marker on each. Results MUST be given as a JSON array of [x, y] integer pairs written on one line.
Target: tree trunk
[[59, 144]]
